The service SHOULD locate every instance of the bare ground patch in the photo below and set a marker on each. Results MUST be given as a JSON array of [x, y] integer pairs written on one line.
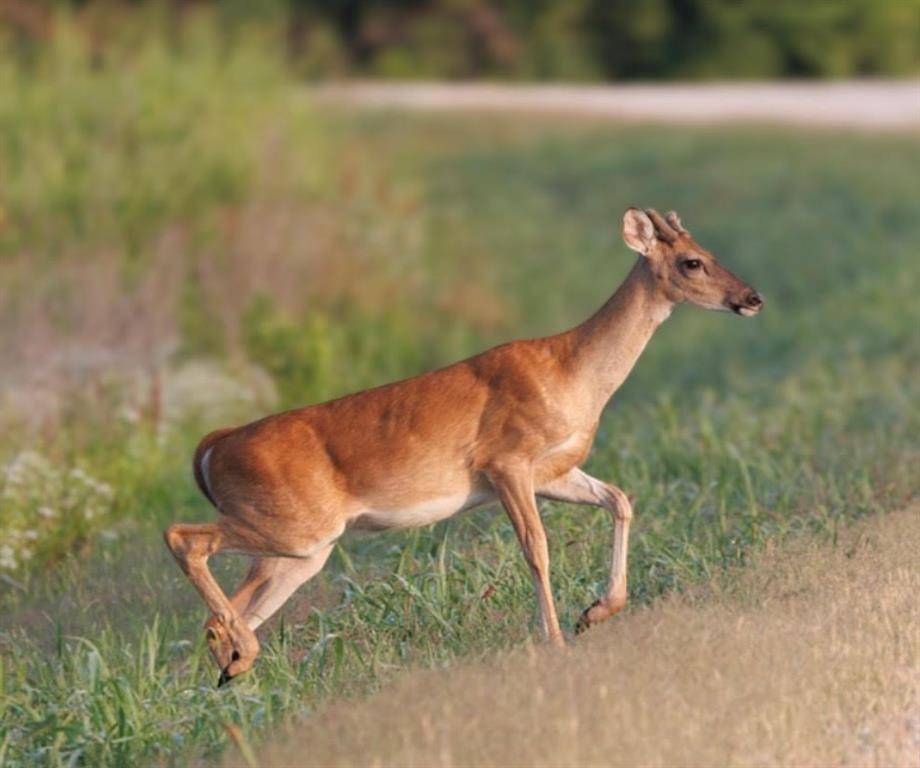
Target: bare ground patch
[[810, 657]]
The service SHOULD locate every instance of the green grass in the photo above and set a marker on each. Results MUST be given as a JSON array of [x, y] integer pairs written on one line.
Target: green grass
[[463, 232]]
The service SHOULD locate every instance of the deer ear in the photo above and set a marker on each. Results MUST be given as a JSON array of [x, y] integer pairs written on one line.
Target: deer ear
[[674, 220], [638, 231]]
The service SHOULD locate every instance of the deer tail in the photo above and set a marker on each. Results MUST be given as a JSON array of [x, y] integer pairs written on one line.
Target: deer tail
[[200, 461]]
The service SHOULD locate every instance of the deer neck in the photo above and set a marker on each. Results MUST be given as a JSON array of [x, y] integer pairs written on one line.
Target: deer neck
[[608, 344]]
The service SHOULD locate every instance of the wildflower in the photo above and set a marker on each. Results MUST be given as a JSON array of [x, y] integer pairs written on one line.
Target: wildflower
[[79, 475], [36, 493], [103, 489], [7, 558]]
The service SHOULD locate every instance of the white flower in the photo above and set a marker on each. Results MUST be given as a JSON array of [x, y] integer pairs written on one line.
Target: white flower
[[27, 462], [39, 494], [7, 557], [78, 474], [103, 489]]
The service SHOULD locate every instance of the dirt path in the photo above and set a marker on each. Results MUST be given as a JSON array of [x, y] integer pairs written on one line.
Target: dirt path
[[875, 105]]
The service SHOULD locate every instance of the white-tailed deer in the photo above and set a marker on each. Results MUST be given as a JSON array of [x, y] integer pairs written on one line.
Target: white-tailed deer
[[511, 424]]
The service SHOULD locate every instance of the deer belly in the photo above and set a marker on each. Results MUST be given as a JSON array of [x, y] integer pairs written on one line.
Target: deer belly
[[413, 515]]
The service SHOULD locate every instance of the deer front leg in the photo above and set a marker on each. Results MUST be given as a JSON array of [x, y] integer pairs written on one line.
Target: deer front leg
[[579, 487], [514, 486]]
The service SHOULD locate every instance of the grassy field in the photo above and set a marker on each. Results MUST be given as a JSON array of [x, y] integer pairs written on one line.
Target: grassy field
[[809, 656], [187, 244]]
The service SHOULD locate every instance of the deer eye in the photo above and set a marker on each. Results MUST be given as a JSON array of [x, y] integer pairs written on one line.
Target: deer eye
[[692, 264]]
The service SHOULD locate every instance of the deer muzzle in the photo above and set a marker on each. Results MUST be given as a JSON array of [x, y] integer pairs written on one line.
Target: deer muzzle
[[750, 304]]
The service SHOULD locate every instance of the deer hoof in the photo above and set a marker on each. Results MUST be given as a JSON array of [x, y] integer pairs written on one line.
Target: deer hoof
[[585, 620], [234, 650], [235, 668]]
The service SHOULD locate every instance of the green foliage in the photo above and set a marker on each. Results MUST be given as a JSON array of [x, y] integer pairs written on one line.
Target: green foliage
[[110, 153], [550, 39], [202, 332], [297, 353], [317, 355], [618, 39]]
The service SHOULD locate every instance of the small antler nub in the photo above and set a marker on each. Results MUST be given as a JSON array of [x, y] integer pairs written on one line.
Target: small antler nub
[[674, 220], [662, 227]]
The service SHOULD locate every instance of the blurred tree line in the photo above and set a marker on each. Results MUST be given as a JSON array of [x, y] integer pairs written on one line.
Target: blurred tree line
[[535, 39]]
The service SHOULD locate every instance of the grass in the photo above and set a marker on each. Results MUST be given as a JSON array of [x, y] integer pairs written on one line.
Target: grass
[[360, 248], [807, 657]]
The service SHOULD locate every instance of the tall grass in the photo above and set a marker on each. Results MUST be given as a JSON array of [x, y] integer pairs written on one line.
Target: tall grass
[[250, 254]]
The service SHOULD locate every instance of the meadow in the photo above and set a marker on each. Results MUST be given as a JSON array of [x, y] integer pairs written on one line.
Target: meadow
[[186, 242]]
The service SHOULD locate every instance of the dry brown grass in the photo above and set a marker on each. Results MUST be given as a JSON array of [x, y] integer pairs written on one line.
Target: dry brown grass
[[810, 657]]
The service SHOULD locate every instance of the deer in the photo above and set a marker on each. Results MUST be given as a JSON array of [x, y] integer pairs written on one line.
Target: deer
[[512, 424]]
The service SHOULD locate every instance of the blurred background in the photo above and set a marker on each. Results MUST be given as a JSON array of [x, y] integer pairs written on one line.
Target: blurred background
[[191, 237], [591, 40]]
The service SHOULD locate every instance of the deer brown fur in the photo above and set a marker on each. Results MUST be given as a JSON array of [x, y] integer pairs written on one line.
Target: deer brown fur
[[511, 424]]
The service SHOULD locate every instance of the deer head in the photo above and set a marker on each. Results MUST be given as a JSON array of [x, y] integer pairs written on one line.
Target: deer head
[[684, 270]]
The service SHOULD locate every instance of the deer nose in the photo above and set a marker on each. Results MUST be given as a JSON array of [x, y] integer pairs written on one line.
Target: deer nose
[[754, 300]]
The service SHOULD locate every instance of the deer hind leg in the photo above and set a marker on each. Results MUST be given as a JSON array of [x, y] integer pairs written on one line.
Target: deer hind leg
[[271, 581], [580, 488], [232, 643]]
